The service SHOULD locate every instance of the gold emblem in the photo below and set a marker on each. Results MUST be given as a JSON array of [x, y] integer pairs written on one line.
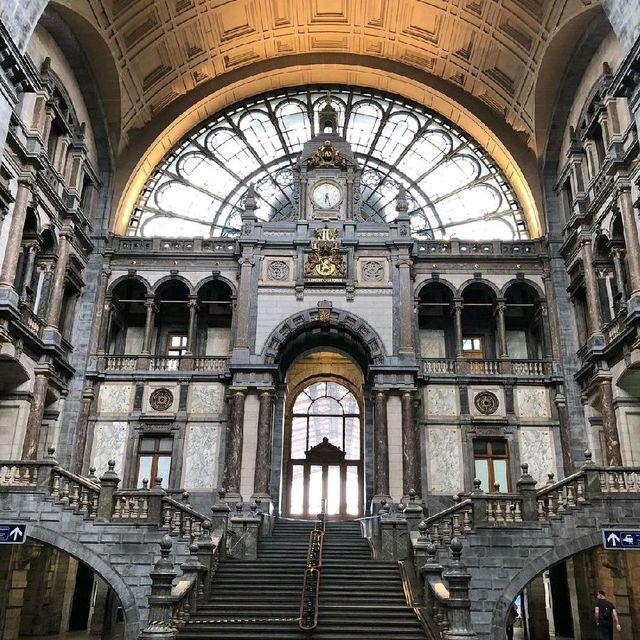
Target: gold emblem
[[327, 156], [325, 260]]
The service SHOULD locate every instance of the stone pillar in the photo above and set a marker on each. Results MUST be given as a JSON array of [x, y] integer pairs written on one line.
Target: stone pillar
[[410, 445], [193, 318], [243, 304], [545, 332], [565, 432], [591, 286], [32, 250], [631, 240], [501, 307], [233, 445], [83, 423], [380, 447], [618, 269], [406, 306], [34, 423], [537, 623], [12, 250], [457, 318], [103, 305], [458, 604], [552, 318], [150, 305], [262, 475], [105, 326], [609, 425], [57, 288]]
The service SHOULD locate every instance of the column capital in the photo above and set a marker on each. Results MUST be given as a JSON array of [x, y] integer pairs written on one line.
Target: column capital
[[246, 261], [27, 181]]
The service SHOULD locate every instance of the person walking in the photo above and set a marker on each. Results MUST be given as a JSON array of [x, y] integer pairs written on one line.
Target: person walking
[[606, 616]]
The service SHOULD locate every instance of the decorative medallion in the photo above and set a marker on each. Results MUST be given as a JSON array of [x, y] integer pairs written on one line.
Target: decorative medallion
[[325, 260], [372, 271], [161, 399], [278, 270], [327, 156], [486, 402]]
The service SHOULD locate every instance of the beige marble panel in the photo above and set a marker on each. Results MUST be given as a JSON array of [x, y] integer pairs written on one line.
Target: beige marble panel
[[115, 398], [432, 344], [109, 441], [201, 457], [249, 445], [394, 420], [532, 402], [206, 398], [441, 401], [537, 450], [444, 460]]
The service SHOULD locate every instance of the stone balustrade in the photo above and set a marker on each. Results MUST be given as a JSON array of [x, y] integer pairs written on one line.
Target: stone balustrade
[[524, 368], [125, 363]]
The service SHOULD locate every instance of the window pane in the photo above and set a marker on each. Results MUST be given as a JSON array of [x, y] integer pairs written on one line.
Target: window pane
[[500, 474], [333, 490], [482, 473], [297, 490], [147, 444], [144, 470], [298, 438], [498, 447], [315, 489], [352, 438], [325, 427], [164, 466], [165, 444], [480, 447], [353, 493], [326, 405]]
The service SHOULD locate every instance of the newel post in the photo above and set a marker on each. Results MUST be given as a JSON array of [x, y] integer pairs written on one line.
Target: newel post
[[159, 626], [592, 476], [45, 471], [479, 504], [193, 567], [156, 494], [108, 486], [459, 605], [527, 489]]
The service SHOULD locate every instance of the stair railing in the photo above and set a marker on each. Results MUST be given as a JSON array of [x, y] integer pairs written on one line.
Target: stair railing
[[311, 585]]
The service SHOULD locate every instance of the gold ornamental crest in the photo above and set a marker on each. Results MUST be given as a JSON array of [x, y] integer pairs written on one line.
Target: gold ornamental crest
[[325, 260], [327, 156]]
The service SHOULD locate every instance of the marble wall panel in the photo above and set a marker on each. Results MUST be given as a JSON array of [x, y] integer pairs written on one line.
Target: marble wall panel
[[134, 340], [115, 398], [500, 412], [150, 387], [109, 440], [432, 344], [537, 450], [249, 445], [201, 457], [517, 345], [532, 402], [441, 401], [444, 460], [394, 437], [206, 398], [218, 341]]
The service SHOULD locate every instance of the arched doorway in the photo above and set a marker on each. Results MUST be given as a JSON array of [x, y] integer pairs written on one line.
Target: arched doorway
[[324, 443]]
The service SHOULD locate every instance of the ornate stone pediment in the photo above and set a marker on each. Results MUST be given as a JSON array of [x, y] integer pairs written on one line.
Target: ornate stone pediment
[[325, 452]]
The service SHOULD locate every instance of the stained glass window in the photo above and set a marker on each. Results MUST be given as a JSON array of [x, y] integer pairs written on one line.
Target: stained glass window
[[454, 188]]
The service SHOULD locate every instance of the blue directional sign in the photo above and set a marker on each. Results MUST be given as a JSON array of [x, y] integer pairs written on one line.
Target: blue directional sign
[[13, 533], [621, 539]]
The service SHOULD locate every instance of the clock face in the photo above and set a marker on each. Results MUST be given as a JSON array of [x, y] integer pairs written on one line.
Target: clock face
[[326, 195]]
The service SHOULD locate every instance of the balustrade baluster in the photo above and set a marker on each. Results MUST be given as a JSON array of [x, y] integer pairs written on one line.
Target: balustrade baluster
[[541, 509], [117, 508], [467, 521], [74, 496], [517, 513], [508, 512], [166, 516], [490, 515], [580, 491], [571, 501], [65, 491]]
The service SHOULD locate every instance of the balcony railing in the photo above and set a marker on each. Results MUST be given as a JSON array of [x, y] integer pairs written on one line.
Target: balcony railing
[[34, 323], [163, 363], [452, 366]]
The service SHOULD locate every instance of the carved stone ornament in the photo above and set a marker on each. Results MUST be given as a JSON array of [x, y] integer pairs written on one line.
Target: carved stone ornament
[[161, 399], [327, 156], [278, 270], [486, 402], [325, 260], [372, 271]]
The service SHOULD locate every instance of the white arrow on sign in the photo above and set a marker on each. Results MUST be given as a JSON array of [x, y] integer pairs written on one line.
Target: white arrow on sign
[[613, 539], [15, 534]]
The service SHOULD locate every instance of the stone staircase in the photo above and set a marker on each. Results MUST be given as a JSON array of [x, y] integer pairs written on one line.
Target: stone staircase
[[359, 597]]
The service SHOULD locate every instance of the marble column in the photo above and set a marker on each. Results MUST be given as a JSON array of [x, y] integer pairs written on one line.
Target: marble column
[[193, 317], [233, 445], [457, 318], [243, 305], [501, 307], [34, 423], [83, 425], [609, 424], [410, 445], [618, 269], [56, 293], [150, 305], [262, 475], [565, 432], [32, 250], [13, 248], [552, 318], [545, 333], [406, 306], [631, 240], [591, 286], [380, 446], [103, 304]]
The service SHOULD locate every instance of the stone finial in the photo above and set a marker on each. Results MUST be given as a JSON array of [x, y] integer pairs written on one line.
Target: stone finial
[[157, 482], [550, 478], [258, 503], [412, 495], [165, 546], [145, 484], [477, 483], [222, 494], [194, 547], [525, 469], [110, 475], [250, 201], [423, 528], [111, 464], [50, 452], [496, 487], [402, 204], [185, 499], [456, 549], [431, 550], [92, 473], [239, 507], [588, 457]]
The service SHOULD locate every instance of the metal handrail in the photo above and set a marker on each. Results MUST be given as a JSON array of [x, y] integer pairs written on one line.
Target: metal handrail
[[311, 586]]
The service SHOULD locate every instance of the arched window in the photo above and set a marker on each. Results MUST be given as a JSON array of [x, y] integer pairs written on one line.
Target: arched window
[[326, 451]]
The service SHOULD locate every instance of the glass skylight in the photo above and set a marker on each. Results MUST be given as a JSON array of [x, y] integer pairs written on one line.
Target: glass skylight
[[453, 187]]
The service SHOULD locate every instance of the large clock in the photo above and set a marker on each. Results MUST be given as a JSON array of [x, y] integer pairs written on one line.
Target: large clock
[[326, 195]]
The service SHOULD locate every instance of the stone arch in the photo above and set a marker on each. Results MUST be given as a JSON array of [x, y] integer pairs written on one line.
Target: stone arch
[[534, 285], [534, 568], [340, 324], [176, 278], [431, 281], [95, 562], [217, 278], [143, 281], [490, 285]]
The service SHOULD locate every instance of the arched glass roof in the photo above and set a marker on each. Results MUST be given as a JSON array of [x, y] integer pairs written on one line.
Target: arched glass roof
[[453, 186]]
